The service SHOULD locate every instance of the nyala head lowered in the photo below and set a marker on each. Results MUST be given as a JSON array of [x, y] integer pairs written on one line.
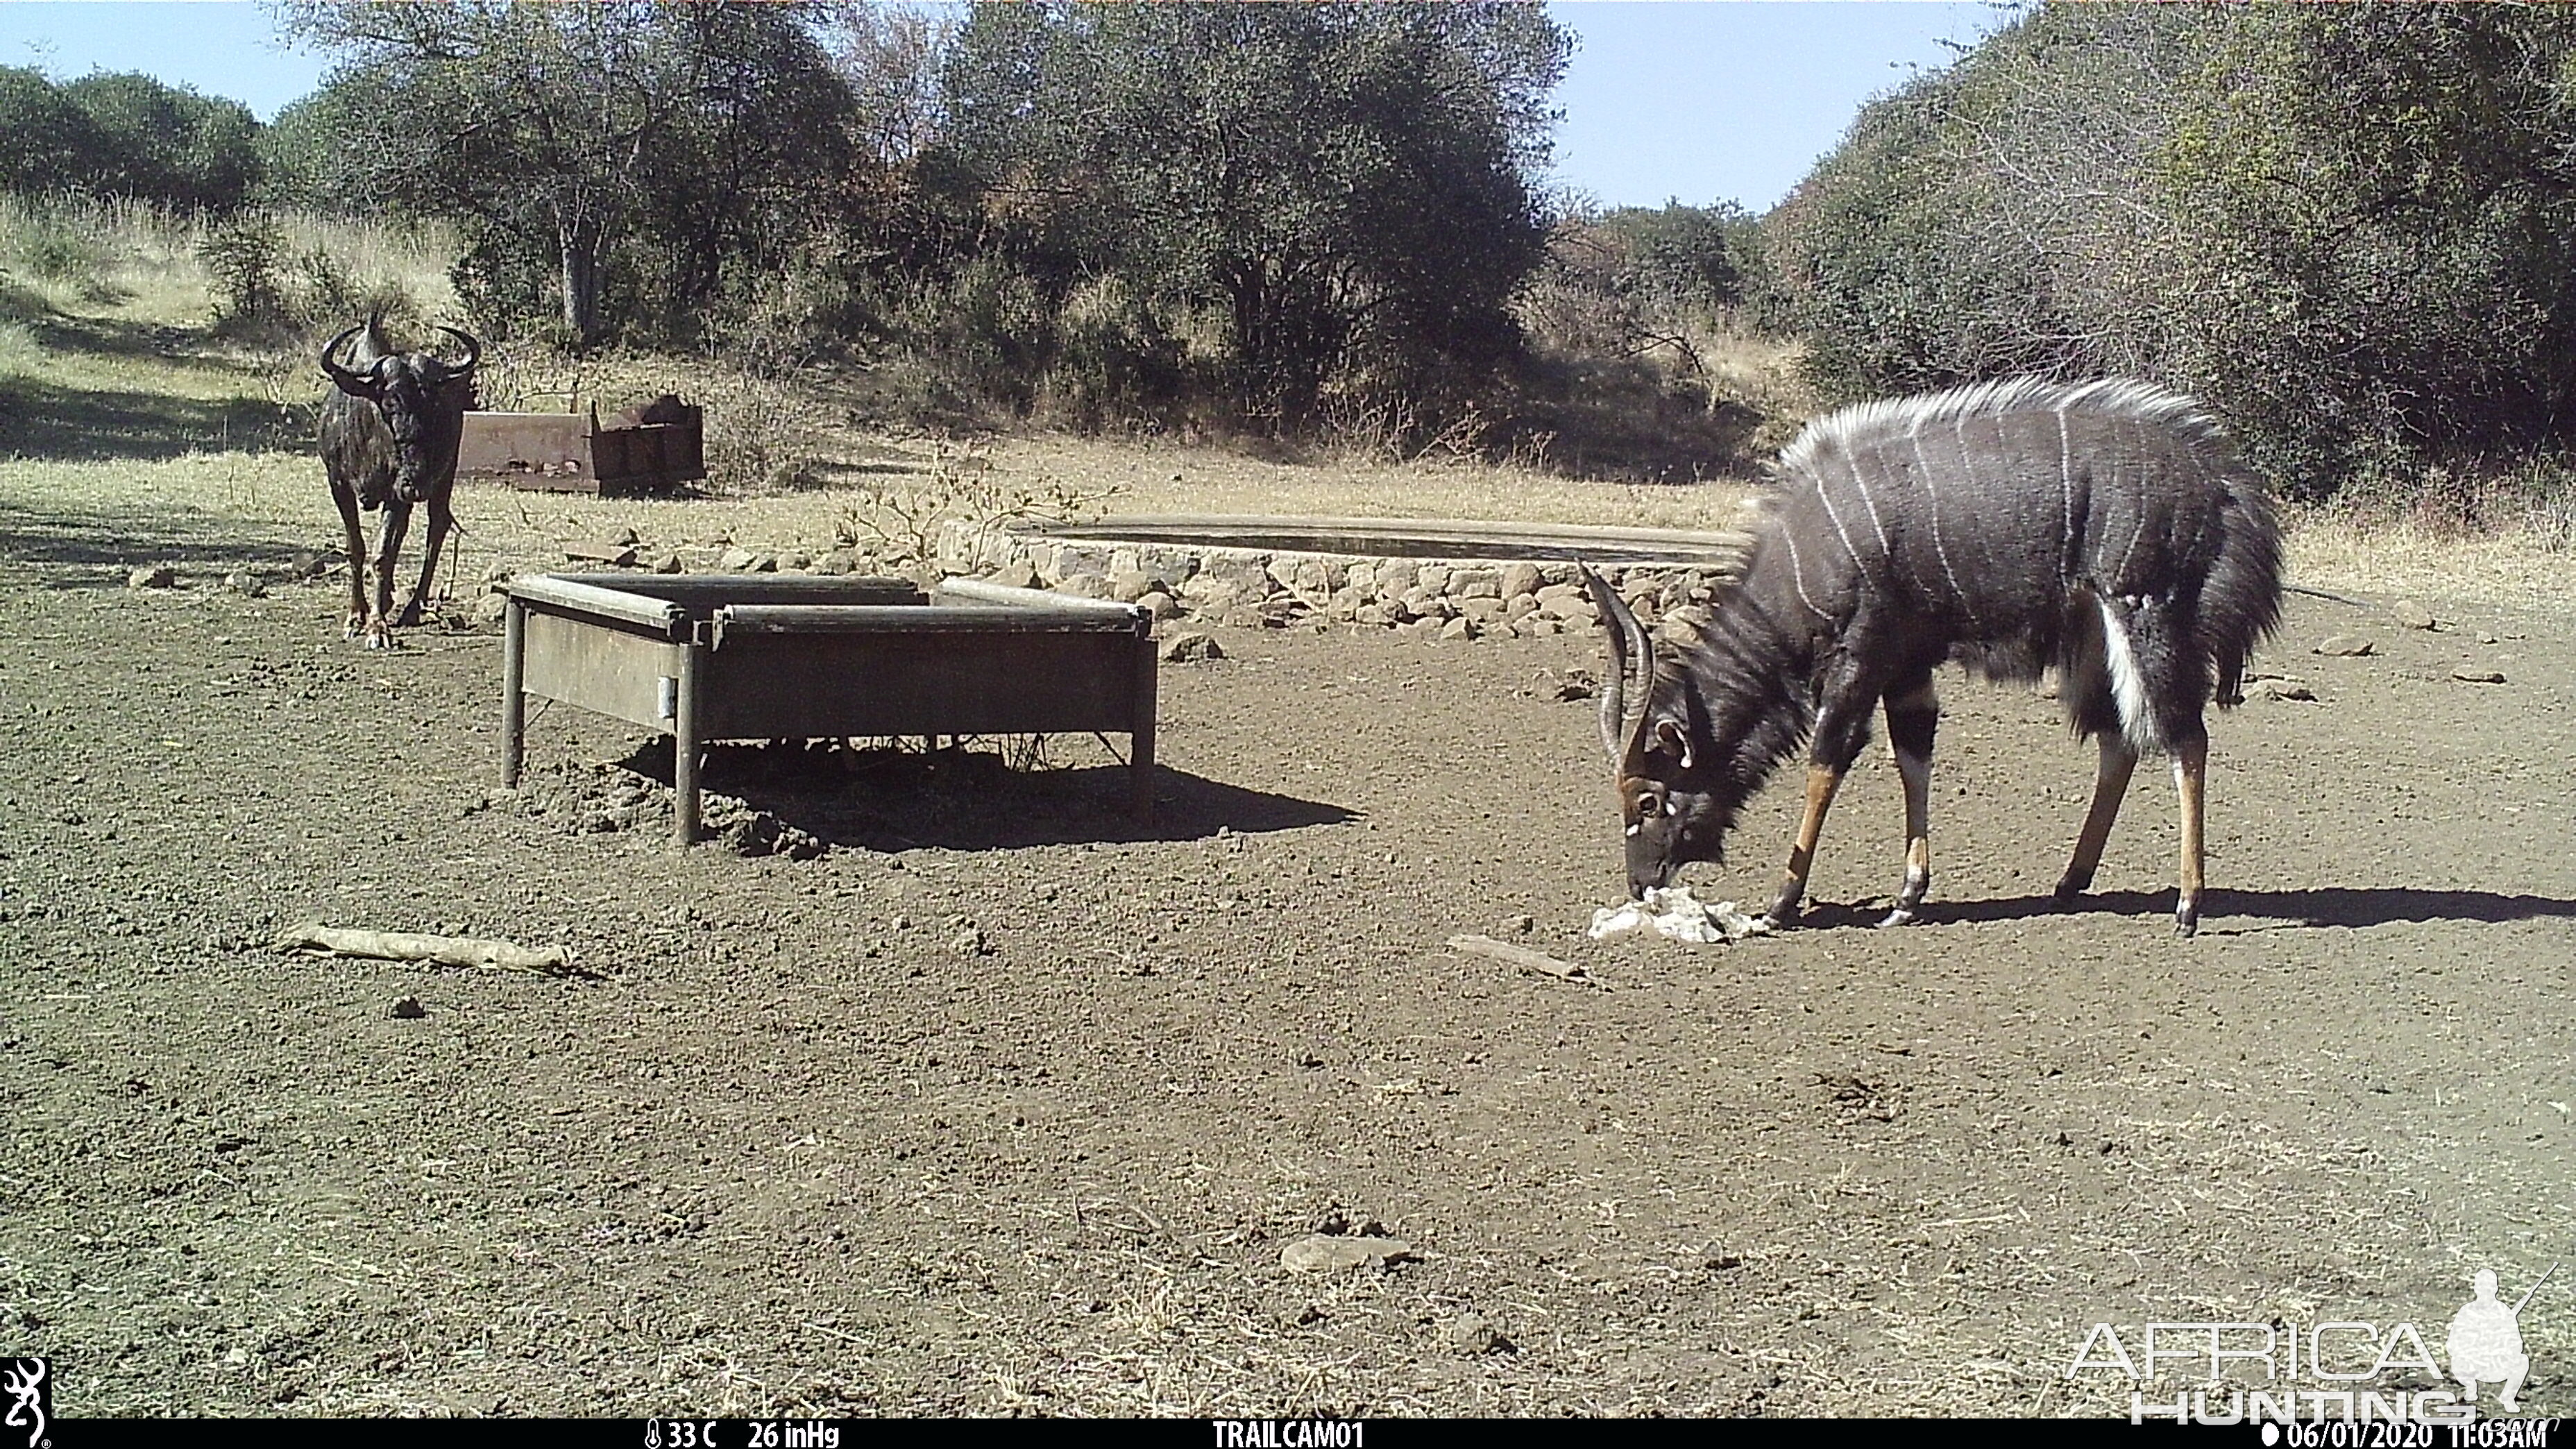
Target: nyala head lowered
[[1675, 802]]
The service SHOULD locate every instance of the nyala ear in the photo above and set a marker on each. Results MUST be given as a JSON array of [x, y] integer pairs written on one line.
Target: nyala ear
[[1669, 739]]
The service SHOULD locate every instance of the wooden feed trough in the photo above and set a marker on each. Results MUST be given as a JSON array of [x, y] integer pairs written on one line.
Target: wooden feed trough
[[646, 448], [759, 657]]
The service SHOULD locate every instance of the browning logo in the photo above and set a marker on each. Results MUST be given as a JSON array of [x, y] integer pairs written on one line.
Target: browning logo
[[27, 1392]]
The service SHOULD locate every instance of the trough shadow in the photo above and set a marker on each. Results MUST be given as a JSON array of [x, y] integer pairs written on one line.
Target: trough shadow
[[2324, 906], [969, 799]]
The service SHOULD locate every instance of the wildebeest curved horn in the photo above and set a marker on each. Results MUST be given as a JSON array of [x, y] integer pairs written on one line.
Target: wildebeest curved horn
[[1632, 670], [354, 383], [473, 352]]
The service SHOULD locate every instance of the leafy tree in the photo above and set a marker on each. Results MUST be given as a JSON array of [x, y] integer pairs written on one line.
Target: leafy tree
[[52, 142], [167, 143], [1336, 185], [125, 135], [2351, 229], [625, 158]]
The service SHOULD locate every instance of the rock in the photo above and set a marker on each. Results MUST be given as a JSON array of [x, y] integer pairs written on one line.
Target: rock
[[2414, 615], [1482, 608], [1576, 684], [1371, 615], [153, 576], [1471, 1335], [2345, 646], [668, 563], [2485, 638], [1431, 578], [2288, 689], [1567, 608], [795, 562], [1520, 578], [1185, 648], [1017, 574], [766, 563], [736, 560], [971, 942], [1518, 605], [2478, 676], [1084, 586], [1128, 587], [1546, 592], [1461, 627], [616, 555], [1160, 605], [408, 1008], [761, 833], [1475, 584], [1323, 1253], [1208, 592], [246, 584], [491, 609]]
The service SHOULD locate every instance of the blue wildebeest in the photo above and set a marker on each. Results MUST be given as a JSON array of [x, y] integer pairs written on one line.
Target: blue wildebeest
[[390, 427], [2107, 530]]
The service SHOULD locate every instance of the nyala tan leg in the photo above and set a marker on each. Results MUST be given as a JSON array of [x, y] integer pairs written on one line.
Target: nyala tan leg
[[1822, 782], [1911, 720], [2191, 770], [2110, 784]]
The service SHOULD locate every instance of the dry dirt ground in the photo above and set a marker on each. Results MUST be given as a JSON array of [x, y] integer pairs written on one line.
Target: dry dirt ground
[[1005, 1104]]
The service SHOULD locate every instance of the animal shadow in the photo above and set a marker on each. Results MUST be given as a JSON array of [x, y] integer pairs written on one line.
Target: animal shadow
[[2348, 906]]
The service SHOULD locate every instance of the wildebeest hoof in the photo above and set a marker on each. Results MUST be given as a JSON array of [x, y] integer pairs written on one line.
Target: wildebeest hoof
[[2187, 921], [1901, 916], [2069, 888]]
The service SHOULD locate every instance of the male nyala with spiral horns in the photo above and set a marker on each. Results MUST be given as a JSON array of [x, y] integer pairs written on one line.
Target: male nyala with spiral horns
[[2107, 530]]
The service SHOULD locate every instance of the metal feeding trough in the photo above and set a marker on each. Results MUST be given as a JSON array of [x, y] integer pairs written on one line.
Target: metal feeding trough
[[760, 657], [644, 448]]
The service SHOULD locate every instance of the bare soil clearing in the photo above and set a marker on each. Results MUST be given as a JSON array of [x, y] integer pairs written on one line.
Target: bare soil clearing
[[1003, 1103]]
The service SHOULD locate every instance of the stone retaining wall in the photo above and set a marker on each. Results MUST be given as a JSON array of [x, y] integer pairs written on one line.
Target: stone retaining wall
[[1462, 598]]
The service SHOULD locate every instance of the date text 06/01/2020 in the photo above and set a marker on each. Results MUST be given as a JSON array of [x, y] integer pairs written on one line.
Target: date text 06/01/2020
[[2324, 1433]]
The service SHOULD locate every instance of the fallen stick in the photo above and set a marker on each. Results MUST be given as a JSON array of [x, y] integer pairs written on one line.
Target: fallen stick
[[1521, 956], [405, 946]]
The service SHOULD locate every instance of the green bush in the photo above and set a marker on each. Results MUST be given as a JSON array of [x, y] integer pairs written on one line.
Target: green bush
[[2349, 229]]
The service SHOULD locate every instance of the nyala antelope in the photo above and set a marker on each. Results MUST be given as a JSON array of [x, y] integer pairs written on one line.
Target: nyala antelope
[[2107, 530]]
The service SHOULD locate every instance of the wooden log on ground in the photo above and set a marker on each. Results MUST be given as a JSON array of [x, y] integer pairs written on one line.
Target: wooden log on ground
[[407, 946]]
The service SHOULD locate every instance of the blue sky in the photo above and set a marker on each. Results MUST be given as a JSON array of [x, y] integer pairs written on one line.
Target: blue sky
[[1686, 100]]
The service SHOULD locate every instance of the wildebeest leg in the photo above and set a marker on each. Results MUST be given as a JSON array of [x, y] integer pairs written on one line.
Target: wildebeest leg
[[1842, 727], [1913, 714], [357, 539], [389, 542], [440, 521], [2191, 767], [2110, 784]]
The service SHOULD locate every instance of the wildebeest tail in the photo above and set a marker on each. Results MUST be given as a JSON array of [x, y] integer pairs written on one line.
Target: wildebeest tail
[[2240, 601]]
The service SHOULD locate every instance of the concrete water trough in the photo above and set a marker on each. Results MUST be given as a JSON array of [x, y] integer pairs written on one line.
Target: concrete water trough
[[714, 657]]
